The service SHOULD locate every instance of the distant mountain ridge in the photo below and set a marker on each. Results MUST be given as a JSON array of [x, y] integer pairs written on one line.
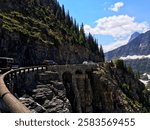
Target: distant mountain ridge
[[138, 45]]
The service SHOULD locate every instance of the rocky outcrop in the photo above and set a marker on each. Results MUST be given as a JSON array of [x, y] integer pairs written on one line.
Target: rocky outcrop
[[48, 96], [117, 90], [111, 87], [133, 36]]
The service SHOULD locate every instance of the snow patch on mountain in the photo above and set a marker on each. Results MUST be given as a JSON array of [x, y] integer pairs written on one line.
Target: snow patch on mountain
[[144, 81], [145, 78]]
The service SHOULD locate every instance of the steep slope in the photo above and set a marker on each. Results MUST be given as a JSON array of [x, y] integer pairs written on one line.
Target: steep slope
[[111, 87], [116, 89], [34, 30], [139, 46], [135, 53]]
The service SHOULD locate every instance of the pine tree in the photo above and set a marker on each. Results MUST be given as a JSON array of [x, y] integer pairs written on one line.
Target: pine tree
[[67, 18], [102, 52], [62, 12], [82, 38], [58, 13]]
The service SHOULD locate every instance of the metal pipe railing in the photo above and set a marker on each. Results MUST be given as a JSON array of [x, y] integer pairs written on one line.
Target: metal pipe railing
[[13, 104]]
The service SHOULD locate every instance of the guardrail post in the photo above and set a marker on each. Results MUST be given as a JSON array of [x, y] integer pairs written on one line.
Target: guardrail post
[[42, 68], [24, 71], [46, 68], [19, 72], [37, 69], [33, 69], [28, 70]]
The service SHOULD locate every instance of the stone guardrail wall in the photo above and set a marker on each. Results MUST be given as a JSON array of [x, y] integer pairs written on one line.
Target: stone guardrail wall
[[6, 93]]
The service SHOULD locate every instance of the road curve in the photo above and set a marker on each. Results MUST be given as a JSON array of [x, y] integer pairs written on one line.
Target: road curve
[[13, 104]]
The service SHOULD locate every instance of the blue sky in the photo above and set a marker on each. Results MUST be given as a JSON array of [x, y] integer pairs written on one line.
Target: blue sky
[[110, 21]]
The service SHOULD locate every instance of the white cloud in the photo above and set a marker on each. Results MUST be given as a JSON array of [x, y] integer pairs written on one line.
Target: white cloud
[[115, 7], [116, 26], [119, 27]]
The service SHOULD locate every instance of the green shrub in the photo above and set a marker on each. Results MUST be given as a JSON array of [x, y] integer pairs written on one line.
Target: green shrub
[[118, 63], [125, 86]]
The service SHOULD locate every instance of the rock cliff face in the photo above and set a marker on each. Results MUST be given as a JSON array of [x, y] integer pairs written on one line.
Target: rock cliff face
[[45, 94], [109, 88], [117, 90], [27, 51]]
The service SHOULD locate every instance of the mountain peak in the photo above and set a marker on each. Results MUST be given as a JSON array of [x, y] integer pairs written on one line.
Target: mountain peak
[[133, 36], [135, 53]]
